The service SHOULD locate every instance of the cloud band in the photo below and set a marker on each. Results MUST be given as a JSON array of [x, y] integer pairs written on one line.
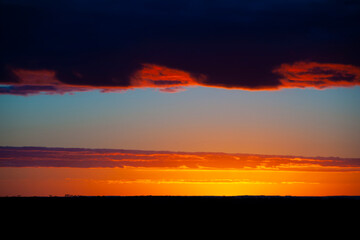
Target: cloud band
[[110, 158], [296, 75]]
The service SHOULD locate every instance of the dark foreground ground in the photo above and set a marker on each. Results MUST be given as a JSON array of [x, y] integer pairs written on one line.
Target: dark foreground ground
[[164, 214], [173, 203], [185, 199]]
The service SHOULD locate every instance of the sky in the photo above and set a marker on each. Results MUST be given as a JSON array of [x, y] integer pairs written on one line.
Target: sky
[[279, 78]]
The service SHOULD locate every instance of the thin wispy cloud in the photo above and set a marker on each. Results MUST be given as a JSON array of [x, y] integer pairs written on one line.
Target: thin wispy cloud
[[108, 158]]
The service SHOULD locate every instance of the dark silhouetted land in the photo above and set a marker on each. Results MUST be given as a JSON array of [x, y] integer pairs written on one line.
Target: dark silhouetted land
[[234, 203], [173, 212]]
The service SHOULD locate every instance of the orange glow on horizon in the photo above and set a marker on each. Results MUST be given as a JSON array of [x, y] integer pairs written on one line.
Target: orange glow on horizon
[[36, 171], [131, 181]]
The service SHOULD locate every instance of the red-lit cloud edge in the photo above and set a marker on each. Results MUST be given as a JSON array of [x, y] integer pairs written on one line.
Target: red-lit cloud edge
[[295, 75], [112, 158]]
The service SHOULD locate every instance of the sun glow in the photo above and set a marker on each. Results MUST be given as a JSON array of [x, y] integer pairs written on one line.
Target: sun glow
[[130, 181]]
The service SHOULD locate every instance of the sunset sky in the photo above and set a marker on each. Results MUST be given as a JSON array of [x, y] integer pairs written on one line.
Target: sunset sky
[[183, 97]]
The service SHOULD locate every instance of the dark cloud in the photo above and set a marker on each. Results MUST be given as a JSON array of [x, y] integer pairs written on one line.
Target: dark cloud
[[232, 44]]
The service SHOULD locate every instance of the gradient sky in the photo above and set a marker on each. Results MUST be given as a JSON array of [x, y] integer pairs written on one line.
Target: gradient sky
[[294, 121], [260, 77]]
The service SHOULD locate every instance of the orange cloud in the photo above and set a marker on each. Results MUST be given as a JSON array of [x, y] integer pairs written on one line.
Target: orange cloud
[[149, 76], [318, 75], [37, 77], [296, 75], [31, 82], [164, 78]]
